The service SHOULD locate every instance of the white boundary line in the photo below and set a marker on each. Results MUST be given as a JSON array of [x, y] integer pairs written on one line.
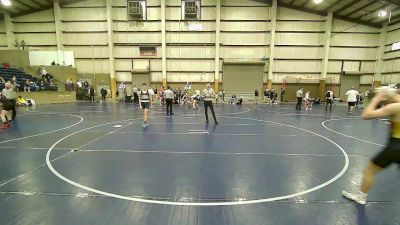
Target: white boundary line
[[48, 132], [215, 153], [302, 114], [345, 135], [175, 203]]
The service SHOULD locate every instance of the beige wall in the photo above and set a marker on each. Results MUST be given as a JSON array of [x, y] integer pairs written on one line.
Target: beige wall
[[17, 58], [392, 58], [245, 34]]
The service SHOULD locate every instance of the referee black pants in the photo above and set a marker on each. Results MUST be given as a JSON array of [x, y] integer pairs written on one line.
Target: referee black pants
[[14, 109], [328, 102], [299, 100], [168, 102], [209, 104]]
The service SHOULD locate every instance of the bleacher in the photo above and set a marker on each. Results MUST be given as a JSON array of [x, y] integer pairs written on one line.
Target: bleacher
[[8, 72]]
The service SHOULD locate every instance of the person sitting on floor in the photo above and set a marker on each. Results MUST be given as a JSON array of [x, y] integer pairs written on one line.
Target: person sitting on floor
[[239, 101], [233, 99]]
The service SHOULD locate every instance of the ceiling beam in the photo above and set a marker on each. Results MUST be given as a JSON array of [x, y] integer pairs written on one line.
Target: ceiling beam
[[395, 2], [374, 17], [373, 11], [331, 5], [289, 6], [24, 4], [37, 3], [394, 18], [346, 6], [25, 12], [305, 3], [376, 25], [361, 8], [324, 13]]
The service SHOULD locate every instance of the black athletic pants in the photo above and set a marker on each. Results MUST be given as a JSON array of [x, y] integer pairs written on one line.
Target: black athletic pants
[[14, 109], [168, 102], [299, 100], [91, 98], [209, 104], [103, 97], [328, 102]]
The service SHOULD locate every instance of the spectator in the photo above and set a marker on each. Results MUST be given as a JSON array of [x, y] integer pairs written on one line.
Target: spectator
[[79, 83], [53, 63], [283, 92], [103, 93], [91, 93], [135, 91], [329, 100], [86, 84], [352, 96], [27, 86], [9, 95], [256, 94]]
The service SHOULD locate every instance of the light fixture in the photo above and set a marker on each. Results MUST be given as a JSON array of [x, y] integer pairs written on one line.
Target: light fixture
[[318, 1], [6, 2], [382, 13]]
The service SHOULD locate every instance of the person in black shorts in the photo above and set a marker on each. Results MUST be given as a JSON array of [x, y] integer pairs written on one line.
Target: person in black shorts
[[145, 100], [391, 152]]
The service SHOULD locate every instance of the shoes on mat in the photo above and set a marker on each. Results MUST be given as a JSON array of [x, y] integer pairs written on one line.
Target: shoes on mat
[[360, 198]]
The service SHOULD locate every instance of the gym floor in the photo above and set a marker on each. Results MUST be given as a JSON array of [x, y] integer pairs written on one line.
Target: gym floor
[[94, 164]]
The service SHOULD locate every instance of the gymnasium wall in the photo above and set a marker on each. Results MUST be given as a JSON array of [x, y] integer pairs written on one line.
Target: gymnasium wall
[[3, 36], [391, 73], [245, 33]]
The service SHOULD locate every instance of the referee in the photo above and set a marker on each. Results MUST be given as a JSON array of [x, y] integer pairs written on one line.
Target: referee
[[209, 96], [11, 94], [169, 97]]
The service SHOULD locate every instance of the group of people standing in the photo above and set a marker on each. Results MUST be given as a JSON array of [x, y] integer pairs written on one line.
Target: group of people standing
[[354, 99], [146, 99]]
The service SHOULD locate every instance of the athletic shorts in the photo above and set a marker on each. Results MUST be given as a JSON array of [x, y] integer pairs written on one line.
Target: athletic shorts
[[351, 103], [390, 154], [145, 105]]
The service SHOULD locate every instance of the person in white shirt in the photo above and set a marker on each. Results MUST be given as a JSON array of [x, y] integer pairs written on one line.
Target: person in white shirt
[[307, 101], [209, 96], [351, 99], [169, 97], [329, 100], [299, 96], [151, 92]]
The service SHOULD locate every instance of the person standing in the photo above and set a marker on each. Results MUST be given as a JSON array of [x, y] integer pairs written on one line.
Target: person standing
[[135, 94], [169, 98], [299, 96], [391, 152], [91, 93], [307, 101], [103, 93], [329, 100], [145, 102], [223, 95], [256, 94], [209, 96], [283, 91], [8, 99], [352, 96]]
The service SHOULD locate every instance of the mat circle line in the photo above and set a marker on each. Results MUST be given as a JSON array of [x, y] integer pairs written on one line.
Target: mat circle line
[[177, 203], [345, 135], [48, 132]]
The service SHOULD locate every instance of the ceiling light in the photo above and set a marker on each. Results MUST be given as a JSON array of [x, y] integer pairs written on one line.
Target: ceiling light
[[318, 1], [382, 13], [6, 2]]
